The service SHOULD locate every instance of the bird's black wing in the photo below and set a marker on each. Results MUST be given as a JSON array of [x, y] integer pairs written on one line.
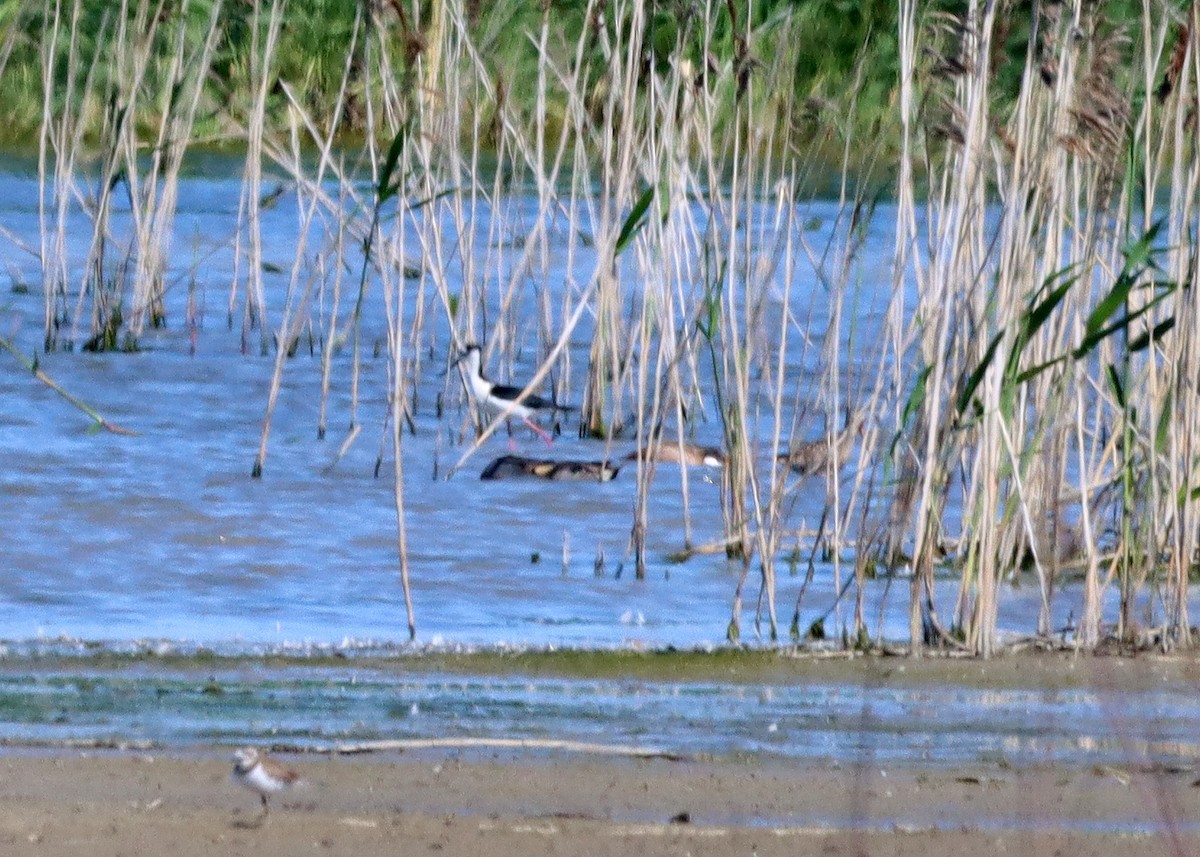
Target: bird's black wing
[[537, 403], [503, 391]]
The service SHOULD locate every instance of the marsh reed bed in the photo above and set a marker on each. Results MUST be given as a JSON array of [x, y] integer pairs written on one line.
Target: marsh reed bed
[[613, 198]]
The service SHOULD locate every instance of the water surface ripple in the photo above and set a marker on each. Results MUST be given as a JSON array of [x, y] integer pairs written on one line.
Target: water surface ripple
[[162, 541], [164, 535], [884, 722]]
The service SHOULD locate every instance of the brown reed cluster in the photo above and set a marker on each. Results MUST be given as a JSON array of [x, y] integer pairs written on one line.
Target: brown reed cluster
[[1024, 407]]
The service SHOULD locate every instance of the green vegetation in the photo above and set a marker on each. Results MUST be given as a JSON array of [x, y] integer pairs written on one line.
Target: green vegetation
[[93, 675], [840, 45]]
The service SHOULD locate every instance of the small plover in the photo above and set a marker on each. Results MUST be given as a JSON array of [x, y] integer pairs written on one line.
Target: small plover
[[261, 774]]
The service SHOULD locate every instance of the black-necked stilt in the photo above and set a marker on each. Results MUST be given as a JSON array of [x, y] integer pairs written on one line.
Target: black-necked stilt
[[688, 453], [261, 774], [814, 455], [516, 466], [503, 399]]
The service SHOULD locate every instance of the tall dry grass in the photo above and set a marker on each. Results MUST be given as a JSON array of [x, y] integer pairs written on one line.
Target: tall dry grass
[[1018, 400], [122, 285], [1051, 298]]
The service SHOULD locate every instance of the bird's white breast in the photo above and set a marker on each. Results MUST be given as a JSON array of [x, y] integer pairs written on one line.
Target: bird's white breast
[[259, 780]]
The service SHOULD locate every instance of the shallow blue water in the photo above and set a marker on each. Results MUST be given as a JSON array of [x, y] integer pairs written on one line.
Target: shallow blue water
[[162, 540], [320, 708], [165, 535]]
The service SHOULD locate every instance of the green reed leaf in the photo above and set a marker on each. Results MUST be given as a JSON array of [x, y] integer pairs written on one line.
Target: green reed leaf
[[386, 188], [976, 376], [635, 221]]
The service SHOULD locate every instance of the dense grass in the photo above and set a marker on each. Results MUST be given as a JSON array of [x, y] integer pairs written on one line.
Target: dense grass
[[846, 46], [315, 34]]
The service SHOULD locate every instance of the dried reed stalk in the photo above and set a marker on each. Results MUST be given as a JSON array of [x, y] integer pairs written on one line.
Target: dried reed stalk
[[263, 46]]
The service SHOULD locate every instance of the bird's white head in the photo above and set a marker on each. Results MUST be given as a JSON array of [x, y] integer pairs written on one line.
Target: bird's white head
[[472, 355], [245, 758]]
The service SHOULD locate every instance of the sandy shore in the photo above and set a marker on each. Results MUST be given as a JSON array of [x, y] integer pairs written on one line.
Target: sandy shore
[[522, 805]]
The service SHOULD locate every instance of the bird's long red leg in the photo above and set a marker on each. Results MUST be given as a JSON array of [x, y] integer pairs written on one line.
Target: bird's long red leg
[[540, 432], [512, 441]]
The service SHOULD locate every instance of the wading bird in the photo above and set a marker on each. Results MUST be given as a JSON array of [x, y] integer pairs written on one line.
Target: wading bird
[[689, 454], [503, 399], [516, 466], [814, 456]]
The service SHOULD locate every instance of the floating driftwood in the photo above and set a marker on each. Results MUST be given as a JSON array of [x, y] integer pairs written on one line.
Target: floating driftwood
[[518, 467], [393, 745]]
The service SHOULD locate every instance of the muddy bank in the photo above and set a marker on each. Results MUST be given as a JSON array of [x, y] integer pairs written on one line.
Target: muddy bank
[[530, 804]]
